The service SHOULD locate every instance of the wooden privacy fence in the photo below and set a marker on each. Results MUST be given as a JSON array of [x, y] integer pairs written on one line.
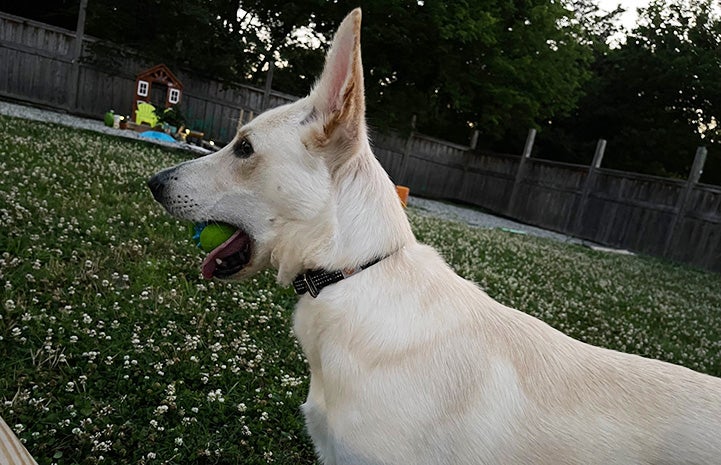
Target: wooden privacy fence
[[676, 219], [679, 220], [43, 65]]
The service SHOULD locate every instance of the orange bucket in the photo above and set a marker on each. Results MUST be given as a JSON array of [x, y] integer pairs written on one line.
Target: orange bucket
[[403, 192]]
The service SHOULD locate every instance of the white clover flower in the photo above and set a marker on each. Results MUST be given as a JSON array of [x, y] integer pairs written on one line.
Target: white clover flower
[[161, 409], [216, 396]]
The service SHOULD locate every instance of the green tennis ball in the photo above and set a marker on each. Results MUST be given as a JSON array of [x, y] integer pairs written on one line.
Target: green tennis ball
[[215, 234]]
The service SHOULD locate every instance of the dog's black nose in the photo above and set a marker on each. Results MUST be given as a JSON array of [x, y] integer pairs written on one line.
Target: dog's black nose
[[156, 184]]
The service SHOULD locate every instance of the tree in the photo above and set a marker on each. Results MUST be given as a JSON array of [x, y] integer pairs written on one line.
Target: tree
[[285, 33], [488, 64], [62, 13], [656, 97], [202, 35]]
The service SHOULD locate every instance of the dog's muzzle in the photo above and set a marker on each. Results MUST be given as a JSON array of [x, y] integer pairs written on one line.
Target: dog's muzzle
[[157, 184]]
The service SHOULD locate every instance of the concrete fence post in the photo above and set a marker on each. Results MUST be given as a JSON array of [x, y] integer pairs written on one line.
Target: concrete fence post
[[521, 171], [587, 185], [682, 202]]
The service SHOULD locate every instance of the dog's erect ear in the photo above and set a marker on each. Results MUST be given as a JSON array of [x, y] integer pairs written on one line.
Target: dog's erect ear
[[338, 96]]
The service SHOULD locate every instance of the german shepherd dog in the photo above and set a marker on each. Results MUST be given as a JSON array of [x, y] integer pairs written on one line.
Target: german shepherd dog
[[409, 363]]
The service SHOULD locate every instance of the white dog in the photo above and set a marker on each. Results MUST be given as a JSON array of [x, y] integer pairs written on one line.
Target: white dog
[[411, 364]]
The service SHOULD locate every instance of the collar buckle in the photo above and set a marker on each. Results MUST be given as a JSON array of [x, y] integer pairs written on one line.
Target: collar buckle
[[310, 285], [304, 283]]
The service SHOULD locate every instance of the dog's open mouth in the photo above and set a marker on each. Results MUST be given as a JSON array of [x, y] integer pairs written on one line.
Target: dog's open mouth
[[228, 258]]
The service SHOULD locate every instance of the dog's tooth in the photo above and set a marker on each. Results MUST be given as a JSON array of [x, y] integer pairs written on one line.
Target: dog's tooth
[[218, 261]]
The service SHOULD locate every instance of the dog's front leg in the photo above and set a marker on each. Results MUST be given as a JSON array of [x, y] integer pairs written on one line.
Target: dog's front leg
[[316, 421]]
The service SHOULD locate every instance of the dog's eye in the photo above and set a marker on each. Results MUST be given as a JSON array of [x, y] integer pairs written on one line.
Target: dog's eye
[[243, 149]]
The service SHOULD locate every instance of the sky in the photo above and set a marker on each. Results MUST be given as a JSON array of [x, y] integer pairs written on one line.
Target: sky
[[628, 19]]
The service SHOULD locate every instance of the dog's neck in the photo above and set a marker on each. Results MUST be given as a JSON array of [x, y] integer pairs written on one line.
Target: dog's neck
[[371, 222], [363, 222]]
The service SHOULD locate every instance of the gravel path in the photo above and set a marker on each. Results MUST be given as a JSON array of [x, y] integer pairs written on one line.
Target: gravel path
[[482, 220], [422, 206]]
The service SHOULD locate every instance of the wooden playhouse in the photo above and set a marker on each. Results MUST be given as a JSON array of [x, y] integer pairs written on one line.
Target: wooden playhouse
[[155, 87]]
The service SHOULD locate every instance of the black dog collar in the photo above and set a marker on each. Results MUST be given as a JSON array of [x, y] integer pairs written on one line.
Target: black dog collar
[[314, 281]]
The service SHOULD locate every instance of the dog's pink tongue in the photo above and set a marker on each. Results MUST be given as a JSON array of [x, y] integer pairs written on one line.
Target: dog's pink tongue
[[235, 243]]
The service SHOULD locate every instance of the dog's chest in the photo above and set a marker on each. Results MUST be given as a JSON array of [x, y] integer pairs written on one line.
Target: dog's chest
[[308, 326], [326, 335]]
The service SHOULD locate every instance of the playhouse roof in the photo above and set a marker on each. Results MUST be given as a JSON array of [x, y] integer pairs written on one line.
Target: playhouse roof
[[160, 73]]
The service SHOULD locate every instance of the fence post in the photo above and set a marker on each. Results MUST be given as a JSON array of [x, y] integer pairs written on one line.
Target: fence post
[[406, 153], [474, 139], [590, 180], [521, 171], [693, 177], [77, 53], [467, 161], [240, 119], [268, 85]]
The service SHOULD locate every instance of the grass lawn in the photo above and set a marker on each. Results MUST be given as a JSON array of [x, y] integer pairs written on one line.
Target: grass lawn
[[113, 349]]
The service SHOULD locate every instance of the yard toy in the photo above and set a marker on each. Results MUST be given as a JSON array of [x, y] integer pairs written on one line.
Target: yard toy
[[403, 192], [109, 118], [210, 236], [146, 114]]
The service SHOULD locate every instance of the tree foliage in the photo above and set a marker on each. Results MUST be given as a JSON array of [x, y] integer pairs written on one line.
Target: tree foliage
[[493, 65], [655, 98], [202, 35], [62, 13]]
